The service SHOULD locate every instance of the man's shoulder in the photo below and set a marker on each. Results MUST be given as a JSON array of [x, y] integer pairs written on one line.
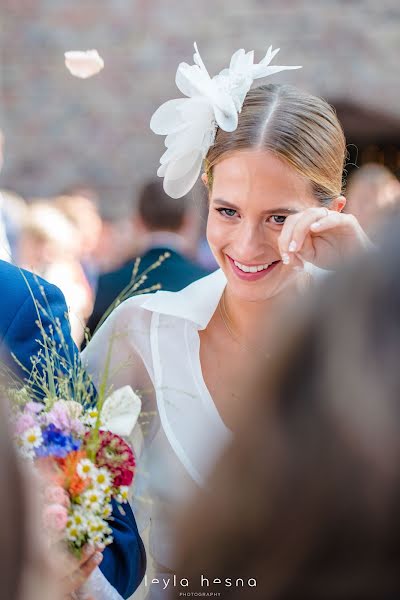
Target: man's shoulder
[[19, 288], [17, 284]]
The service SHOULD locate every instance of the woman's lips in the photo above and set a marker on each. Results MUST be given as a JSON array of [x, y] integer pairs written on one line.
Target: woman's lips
[[252, 276]]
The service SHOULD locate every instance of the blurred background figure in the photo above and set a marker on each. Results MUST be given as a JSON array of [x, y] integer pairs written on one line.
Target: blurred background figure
[[306, 500], [14, 209], [50, 246], [83, 213], [25, 569], [5, 251], [118, 242], [373, 196], [161, 224]]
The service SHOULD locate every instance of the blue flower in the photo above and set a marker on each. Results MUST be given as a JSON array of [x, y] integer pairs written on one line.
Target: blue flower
[[57, 443]]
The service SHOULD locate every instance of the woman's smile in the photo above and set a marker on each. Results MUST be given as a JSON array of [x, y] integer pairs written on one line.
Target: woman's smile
[[248, 272]]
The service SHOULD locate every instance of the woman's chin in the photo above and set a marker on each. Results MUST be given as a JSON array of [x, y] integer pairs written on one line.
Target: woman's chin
[[258, 291]]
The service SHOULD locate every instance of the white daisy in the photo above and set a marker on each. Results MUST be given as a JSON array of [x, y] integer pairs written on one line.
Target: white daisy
[[102, 479], [123, 495], [86, 468], [93, 499], [78, 519], [32, 438]]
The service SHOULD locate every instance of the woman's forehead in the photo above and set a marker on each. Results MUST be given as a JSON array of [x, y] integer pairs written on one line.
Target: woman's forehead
[[258, 176]]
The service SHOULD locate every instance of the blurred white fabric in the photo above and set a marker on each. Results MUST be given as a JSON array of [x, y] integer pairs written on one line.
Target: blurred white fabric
[[5, 252]]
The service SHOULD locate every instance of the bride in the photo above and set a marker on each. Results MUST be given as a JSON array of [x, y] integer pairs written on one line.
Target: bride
[[273, 162]]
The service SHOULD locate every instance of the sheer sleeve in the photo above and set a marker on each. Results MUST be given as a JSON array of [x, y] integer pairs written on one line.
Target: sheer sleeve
[[99, 587], [115, 348], [125, 338]]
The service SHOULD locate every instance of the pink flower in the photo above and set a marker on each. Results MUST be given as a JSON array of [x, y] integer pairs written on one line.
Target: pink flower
[[77, 427], [64, 418], [55, 517], [55, 494], [24, 422], [116, 455], [59, 417], [33, 408]]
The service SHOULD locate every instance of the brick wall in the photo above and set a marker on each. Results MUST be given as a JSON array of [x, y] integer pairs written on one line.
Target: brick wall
[[61, 130]]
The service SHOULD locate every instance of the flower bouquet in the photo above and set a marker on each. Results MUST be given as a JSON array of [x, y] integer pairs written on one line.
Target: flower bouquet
[[82, 466], [72, 435]]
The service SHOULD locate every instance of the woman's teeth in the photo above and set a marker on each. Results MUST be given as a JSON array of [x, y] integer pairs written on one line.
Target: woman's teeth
[[253, 269]]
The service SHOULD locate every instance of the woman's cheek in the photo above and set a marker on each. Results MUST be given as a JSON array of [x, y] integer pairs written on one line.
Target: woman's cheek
[[217, 233]]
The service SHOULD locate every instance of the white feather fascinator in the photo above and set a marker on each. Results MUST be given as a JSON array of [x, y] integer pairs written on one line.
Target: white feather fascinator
[[190, 123]]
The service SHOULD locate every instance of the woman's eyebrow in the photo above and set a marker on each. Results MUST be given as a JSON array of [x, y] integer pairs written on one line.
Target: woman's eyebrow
[[270, 211]]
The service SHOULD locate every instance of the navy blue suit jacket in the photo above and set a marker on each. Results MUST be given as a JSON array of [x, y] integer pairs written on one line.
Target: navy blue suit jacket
[[124, 561], [174, 274]]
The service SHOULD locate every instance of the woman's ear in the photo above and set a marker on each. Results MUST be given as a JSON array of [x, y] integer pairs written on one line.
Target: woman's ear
[[338, 204], [204, 179]]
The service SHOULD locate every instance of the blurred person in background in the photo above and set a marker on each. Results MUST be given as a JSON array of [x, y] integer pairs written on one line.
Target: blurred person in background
[[305, 501], [5, 250], [84, 215], [373, 196], [14, 209], [49, 245], [25, 568], [161, 224], [116, 242]]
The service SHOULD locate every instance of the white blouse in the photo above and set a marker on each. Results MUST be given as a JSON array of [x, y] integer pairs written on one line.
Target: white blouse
[[154, 346]]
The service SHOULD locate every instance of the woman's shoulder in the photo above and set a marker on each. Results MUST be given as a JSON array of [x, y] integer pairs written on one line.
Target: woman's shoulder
[[196, 303]]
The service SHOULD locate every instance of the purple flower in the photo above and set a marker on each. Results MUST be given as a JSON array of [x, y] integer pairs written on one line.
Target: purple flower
[[57, 443], [60, 416]]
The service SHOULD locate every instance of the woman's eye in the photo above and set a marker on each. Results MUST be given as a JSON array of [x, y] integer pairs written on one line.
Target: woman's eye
[[278, 219], [227, 212]]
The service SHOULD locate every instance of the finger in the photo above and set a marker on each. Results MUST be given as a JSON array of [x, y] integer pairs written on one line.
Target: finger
[[286, 236], [330, 221], [91, 564], [303, 226], [87, 552], [74, 581]]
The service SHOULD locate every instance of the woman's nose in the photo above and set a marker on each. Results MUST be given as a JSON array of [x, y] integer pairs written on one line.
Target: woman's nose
[[251, 242]]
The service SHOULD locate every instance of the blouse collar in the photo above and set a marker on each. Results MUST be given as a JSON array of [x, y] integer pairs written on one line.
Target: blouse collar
[[197, 302]]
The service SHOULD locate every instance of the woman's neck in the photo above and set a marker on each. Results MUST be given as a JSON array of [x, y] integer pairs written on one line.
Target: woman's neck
[[251, 319]]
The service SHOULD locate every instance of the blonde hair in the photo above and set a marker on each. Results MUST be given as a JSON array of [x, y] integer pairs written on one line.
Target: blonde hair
[[301, 129]]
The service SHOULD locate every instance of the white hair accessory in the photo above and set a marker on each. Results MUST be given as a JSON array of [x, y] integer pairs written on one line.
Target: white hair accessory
[[190, 124]]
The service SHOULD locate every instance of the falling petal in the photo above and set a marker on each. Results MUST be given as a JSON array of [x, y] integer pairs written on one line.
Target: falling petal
[[83, 64]]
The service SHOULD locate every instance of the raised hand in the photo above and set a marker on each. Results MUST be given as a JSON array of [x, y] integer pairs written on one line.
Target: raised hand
[[320, 236]]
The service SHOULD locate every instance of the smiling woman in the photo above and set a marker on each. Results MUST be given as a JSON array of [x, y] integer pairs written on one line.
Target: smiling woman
[[273, 167]]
